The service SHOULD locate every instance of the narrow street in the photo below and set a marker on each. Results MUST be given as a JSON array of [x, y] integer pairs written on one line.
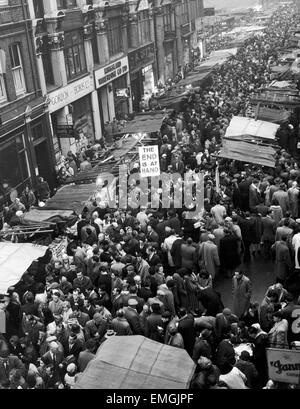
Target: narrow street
[[261, 274]]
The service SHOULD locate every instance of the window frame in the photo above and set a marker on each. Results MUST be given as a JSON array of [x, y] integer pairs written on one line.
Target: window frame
[[144, 27], [115, 42], [17, 68], [66, 4], [3, 97], [76, 51]]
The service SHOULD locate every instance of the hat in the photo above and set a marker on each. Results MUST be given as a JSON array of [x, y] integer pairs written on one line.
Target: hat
[[110, 333], [298, 221], [211, 237], [71, 368], [132, 302], [19, 213], [160, 292], [50, 339], [245, 356]]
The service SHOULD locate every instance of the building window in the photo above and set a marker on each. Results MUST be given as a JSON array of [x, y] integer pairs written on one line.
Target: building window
[[74, 54], [95, 48], [17, 69], [14, 166], [3, 95], [144, 27], [66, 4], [168, 19], [47, 63], [114, 34], [38, 8], [185, 12]]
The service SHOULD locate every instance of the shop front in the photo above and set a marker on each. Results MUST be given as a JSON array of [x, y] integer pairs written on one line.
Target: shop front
[[72, 118], [170, 69], [141, 74], [113, 87], [25, 153]]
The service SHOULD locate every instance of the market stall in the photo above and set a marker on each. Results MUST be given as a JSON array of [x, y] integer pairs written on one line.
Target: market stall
[[244, 127], [249, 152], [15, 258], [136, 362]]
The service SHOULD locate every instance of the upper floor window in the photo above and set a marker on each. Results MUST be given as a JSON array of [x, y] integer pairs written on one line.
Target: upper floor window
[[74, 54], [185, 12], [17, 69], [114, 34], [3, 3], [38, 6], [168, 18], [144, 26], [3, 96], [66, 4]]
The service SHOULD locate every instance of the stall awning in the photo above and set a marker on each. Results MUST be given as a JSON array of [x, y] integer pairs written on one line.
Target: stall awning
[[145, 123], [136, 362], [15, 258], [248, 152], [276, 98], [273, 115], [240, 126], [71, 197], [44, 216]]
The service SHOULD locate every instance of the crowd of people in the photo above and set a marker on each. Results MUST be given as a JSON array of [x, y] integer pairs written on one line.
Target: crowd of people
[[151, 272]]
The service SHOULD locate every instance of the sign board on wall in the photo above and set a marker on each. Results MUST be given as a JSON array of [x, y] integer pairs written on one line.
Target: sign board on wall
[[149, 161], [107, 74], [284, 365], [70, 93]]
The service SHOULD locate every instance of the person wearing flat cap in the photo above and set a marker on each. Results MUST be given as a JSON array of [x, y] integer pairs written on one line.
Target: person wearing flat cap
[[154, 324], [132, 316]]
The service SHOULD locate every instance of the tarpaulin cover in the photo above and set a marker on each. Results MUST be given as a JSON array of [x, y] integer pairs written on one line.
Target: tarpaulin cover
[[15, 258], [41, 215], [71, 197], [240, 126], [273, 115], [248, 152], [145, 123], [136, 362], [277, 98]]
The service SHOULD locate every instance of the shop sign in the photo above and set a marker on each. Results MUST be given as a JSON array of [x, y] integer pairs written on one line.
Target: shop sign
[[284, 365], [107, 74], [142, 57], [70, 93], [149, 161], [65, 131]]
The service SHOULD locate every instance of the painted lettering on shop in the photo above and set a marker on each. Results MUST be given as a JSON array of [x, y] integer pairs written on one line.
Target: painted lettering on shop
[[80, 87], [60, 97]]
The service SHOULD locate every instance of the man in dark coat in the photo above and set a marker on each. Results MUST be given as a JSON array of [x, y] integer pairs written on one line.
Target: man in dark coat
[[154, 323], [187, 330], [244, 193], [229, 252], [132, 317], [223, 323], [211, 301]]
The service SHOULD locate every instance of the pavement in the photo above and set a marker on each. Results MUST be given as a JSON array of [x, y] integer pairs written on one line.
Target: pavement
[[261, 274]]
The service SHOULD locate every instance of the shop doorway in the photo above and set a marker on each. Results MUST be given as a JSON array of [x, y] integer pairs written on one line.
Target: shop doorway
[[42, 160]]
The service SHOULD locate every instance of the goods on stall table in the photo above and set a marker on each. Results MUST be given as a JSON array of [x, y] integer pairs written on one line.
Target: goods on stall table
[[243, 347], [58, 247]]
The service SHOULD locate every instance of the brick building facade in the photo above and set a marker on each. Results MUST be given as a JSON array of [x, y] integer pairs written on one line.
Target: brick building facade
[[25, 144], [88, 62]]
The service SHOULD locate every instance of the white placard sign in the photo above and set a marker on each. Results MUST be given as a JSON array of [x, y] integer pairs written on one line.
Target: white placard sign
[[149, 161]]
